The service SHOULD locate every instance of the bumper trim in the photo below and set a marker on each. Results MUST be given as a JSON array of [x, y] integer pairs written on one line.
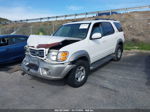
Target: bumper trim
[[53, 71]]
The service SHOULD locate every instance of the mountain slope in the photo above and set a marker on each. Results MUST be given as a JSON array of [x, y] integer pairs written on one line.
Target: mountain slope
[[2, 19]]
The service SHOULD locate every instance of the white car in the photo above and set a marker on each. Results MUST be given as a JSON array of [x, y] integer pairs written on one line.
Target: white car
[[73, 50]]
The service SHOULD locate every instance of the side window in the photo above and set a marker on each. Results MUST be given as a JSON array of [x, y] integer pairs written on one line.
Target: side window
[[11, 41], [118, 26], [107, 28], [19, 39], [15, 40], [97, 28]]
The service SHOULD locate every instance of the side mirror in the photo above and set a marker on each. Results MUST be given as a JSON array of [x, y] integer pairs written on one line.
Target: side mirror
[[96, 35]]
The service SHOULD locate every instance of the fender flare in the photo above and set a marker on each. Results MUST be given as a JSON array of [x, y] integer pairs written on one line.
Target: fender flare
[[79, 54], [119, 41]]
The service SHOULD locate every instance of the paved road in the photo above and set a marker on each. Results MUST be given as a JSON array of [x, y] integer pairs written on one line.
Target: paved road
[[124, 84]]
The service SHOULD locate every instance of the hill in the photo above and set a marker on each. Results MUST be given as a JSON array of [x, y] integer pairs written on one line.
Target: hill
[[2, 19], [136, 26]]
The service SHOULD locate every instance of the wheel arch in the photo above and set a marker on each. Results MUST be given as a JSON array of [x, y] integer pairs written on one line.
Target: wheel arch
[[120, 42], [82, 54]]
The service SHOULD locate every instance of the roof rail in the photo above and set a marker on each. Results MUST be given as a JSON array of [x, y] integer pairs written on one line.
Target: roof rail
[[104, 19]]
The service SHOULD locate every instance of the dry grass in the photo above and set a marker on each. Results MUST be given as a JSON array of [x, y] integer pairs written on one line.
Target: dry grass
[[136, 26]]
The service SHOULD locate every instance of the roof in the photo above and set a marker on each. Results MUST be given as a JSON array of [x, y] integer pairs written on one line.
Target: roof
[[93, 21], [6, 36]]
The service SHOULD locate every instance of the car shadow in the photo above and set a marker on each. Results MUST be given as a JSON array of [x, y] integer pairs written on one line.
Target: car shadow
[[147, 69], [10, 67], [60, 82], [100, 66]]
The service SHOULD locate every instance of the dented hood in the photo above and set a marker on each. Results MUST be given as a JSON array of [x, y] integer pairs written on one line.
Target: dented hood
[[35, 40]]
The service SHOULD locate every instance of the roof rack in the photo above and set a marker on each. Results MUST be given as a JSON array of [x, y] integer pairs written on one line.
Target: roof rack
[[104, 19]]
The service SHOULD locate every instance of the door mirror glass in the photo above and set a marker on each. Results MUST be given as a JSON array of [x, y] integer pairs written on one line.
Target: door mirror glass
[[96, 35]]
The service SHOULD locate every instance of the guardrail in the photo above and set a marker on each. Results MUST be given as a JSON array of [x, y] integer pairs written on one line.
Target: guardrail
[[73, 16]]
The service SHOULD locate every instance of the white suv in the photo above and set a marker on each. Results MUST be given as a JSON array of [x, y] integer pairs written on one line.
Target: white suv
[[73, 50]]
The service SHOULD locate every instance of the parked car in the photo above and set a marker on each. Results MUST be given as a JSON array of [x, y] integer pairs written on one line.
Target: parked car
[[73, 50], [12, 48]]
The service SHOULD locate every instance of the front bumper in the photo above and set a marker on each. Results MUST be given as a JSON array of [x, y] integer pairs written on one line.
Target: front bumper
[[38, 67]]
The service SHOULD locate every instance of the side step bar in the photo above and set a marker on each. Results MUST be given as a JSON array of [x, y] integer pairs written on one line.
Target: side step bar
[[101, 62]]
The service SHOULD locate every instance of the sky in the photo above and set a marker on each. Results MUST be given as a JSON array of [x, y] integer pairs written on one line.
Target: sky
[[27, 9]]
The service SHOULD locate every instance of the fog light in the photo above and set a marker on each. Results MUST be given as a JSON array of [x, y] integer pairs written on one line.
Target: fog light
[[43, 71]]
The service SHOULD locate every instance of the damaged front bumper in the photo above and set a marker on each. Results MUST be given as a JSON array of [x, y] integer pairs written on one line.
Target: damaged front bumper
[[40, 68]]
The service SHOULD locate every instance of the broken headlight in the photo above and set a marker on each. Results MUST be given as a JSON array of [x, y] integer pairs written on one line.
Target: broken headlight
[[52, 55], [55, 55]]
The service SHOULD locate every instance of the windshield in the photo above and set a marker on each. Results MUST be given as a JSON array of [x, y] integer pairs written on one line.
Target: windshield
[[73, 30]]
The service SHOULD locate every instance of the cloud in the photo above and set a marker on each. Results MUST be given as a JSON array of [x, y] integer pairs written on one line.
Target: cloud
[[17, 13], [75, 8]]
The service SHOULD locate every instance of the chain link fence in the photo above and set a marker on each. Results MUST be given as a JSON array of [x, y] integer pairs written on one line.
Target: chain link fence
[[136, 26]]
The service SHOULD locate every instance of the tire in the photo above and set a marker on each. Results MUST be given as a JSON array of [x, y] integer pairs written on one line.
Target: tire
[[118, 53], [78, 75]]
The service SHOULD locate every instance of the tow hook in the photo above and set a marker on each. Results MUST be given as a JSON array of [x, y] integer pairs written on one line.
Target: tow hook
[[23, 73]]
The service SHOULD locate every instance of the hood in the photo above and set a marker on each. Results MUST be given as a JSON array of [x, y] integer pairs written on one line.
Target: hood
[[35, 40]]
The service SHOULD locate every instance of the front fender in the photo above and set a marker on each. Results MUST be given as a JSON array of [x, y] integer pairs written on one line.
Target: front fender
[[79, 54]]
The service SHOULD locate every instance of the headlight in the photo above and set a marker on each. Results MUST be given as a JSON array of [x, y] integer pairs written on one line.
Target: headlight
[[62, 56], [58, 56], [53, 55]]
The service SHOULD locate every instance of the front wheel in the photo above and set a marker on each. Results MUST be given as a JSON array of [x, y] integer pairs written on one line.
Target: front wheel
[[78, 75], [118, 53]]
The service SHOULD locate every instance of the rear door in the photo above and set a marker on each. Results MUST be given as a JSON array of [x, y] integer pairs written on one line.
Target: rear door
[[109, 38]]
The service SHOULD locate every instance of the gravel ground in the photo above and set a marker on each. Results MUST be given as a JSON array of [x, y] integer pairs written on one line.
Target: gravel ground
[[124, 84]]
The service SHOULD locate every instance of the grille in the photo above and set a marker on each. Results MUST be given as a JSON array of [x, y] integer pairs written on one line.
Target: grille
[[38, 53]]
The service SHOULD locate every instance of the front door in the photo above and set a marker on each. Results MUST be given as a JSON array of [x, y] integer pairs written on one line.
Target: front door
[[96, 46], [4, 54], [16, 46]]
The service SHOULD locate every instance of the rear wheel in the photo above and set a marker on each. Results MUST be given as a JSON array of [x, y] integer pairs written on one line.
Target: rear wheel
[[78, 75], [118, 53]]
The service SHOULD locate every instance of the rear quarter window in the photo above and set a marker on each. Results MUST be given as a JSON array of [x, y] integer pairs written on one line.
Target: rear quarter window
[[107, 28], [118, 26], [19, 39], [16, 40]]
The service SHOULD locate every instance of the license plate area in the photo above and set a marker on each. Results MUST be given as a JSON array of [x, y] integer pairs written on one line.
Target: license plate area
[[33, 66], [34, 61]]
